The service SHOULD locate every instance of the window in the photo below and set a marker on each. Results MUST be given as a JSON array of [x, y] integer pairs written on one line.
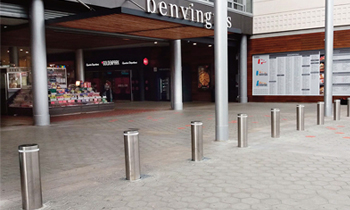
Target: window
[[241, 5]]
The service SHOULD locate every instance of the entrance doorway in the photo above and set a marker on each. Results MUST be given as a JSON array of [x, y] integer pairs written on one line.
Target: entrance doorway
[[119, 80]]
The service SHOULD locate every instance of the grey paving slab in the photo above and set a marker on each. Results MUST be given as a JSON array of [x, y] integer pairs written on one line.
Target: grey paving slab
[[82, 161]]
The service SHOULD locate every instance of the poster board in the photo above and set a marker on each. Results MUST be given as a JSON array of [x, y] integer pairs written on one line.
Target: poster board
[[299, 73]]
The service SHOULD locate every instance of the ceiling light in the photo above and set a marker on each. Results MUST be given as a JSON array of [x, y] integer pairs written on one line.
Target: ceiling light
[[210, 45], [21, 50], [27, 52], [194, 43], [5, 26], [8, 51], [155, 42]]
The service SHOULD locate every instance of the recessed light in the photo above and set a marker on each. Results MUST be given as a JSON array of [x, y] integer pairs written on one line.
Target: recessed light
[[27, 52], [210, 45], [5, 26], [21, 50], [194, 43], [8, 51], [155, 42]]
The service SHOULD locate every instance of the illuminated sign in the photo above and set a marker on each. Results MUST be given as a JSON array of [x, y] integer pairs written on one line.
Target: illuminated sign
[[92, 64], [111, 63], [186, 13]]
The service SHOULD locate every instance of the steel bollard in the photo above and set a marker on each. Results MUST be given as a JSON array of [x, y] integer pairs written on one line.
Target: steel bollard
[[132, 155], [336, 110], [275, 123], [242, 130], [197, 140], [300, 117], [29, 164], [348, 107], [320, 113]]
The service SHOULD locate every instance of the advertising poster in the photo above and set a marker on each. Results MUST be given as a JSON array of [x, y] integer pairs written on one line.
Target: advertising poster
[[261, 76], [203, 77]]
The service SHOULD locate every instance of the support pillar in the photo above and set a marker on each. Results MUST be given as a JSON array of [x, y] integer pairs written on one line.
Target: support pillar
[[14, 57], [221, 75], [243, 96], [328, 76], [39, 66], [79, 59], [176, 76]]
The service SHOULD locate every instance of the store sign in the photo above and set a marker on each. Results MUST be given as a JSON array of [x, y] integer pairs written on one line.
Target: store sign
[[92, 64], [111, 63], [129, 63], [180, 12]]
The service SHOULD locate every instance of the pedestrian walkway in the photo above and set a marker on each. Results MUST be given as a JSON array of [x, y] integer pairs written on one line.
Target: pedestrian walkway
[[83, 165]]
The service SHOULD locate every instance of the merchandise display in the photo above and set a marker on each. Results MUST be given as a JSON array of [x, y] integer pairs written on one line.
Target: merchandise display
[[71, 96], [74, 95]]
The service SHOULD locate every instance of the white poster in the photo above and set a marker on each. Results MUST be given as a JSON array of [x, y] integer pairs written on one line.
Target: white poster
[[297, 75], [273, 76], [281, 76], [261, 77], [289, 81], [300, 73], [315, 74]]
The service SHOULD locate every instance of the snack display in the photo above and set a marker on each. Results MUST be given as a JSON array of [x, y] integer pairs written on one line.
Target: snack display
[[71, 96], [74, 96]]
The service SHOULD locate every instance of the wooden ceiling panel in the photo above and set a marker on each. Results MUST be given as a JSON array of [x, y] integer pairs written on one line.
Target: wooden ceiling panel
[[184, 32], [117, 23], [65, 40]]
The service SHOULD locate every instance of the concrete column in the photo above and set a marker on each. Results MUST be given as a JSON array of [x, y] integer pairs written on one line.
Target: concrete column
[[221, 75], [39, 65], [79, 59], [176, 75], [328, 74], [14, 57], [243, 80]]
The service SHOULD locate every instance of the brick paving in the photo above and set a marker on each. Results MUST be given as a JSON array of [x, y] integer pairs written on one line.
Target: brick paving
[[82, 161]]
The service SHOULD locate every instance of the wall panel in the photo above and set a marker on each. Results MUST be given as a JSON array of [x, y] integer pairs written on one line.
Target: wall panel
[[303, 42]]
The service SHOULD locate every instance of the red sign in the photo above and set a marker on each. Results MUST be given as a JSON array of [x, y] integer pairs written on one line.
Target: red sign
[[145, 61]]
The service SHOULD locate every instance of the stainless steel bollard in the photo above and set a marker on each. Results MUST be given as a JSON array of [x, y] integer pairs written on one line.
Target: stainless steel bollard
[[275, 123], [132, 155], [348, 107], [29, 164], [242, 130], [336, 110], [300, 117], [197, 140], [320, 113]]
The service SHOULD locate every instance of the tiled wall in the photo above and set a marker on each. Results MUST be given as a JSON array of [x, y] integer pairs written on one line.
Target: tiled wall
[[299, 19]]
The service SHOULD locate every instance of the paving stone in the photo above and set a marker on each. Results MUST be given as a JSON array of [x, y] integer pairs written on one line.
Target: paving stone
[[82, 161]]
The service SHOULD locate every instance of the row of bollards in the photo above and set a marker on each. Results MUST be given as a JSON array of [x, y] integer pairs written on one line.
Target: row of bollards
[[30, 162]]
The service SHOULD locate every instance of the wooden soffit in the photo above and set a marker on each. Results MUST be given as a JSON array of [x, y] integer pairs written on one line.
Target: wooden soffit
[[139, 23]]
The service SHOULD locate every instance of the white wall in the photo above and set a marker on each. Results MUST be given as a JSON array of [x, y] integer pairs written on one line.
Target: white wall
[[287, 15]]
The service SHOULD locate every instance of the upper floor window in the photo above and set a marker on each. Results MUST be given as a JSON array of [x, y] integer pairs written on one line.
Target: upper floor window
[[241, 5]]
